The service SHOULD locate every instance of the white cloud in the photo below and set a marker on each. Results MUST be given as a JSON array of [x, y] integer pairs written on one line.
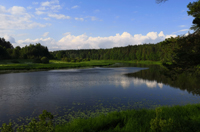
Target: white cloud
[[16, 17], [161, 34], [83, 41], [67, 33], [41, 8], [74, 7], [17, 10], [45, 34], [183, 30], [47, 3], [93, 18], [152, 35], [169, 36], [46, 18], [79, 19], [2, 9], [9, 38], [182, 26], [48, 7], [39, 12], [29, 7], [50, 3], [56, 7], [49, 42], [186, 34], [59, 16]]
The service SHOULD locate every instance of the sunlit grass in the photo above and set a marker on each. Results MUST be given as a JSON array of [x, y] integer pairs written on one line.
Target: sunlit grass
[[176, 118], [24, 65], [54, 64], [7, 66]]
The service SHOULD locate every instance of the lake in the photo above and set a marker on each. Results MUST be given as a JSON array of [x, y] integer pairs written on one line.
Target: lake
[[69, 91]]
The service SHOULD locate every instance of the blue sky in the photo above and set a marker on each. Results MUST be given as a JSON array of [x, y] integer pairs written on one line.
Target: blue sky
[[88, 24]]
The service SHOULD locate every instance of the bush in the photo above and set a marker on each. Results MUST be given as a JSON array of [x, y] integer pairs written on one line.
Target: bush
[[158, 124], [44, 60], [66, 59]]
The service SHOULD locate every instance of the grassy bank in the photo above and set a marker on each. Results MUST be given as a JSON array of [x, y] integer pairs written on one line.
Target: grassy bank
[[27, 65], [170, 119], [162, 119]]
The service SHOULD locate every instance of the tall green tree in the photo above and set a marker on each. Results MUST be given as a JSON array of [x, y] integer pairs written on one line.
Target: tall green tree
[[194, 10]]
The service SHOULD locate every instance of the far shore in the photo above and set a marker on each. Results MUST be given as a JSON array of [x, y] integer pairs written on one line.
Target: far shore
[[27, 66]]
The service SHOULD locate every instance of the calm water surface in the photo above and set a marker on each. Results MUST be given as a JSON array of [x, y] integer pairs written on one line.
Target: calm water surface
[[25, 94]]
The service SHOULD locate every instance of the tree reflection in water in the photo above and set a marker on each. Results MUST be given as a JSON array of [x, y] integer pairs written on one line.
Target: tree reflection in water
[[184, 81]]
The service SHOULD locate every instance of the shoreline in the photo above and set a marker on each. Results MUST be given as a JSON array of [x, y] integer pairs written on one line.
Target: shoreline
[[57, 64]]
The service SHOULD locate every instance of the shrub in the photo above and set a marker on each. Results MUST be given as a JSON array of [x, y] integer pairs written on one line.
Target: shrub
[[44, 60], [158, 124]]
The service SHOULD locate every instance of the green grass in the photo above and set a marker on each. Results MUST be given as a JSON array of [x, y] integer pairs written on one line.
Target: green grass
[[27, 65], [169, 119], [161, 119], [54, 64], [146, 62]]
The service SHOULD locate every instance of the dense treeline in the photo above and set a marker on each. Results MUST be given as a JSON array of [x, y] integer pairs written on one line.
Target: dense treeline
[[162, 51], [137, 52], [7, 51]]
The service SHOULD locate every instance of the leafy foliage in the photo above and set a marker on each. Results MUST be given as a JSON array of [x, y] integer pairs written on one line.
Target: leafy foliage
[[158, 124], [45, 60], [7, 51], [194, 10]]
